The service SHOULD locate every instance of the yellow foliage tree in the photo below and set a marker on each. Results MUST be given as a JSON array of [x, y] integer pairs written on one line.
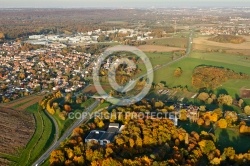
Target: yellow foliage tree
[[222, 123]]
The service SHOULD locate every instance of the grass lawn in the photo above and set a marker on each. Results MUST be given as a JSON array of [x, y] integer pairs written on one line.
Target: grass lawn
[[230, 137]]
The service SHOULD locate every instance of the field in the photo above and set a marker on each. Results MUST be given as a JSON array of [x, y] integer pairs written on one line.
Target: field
[[33, 130], [202, 43], [157, 48], [238, 63], [170, 41], [234, 62], [17, 129]]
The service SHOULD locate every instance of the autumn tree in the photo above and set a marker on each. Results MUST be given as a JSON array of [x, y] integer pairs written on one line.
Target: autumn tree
[[247, 110], [203, 96], [57, 157], [178, 71], [207, 146], [231, 117], [222, 123], [2, 36], [240, 102], [225, 99]]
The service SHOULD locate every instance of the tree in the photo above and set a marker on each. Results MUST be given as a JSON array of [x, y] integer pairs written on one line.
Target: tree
[[219, 112], [229, 153], [200, 121], [247, 110], [2, 36], [183, 115], [222, 123], [207, 146], [57, 157], [203, 96], [100, 124], [67, 107], [214, 117], [230, 117], [225, 99], [202, 108], [178, 72], [240, 102], [209, 100]]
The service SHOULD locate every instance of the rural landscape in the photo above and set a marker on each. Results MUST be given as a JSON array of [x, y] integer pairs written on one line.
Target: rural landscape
[[66, 96]]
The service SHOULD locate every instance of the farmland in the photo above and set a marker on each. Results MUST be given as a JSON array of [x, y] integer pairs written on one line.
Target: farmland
[[158, 48], [202, 43], [22, 124], [170, 41], [30, 138]]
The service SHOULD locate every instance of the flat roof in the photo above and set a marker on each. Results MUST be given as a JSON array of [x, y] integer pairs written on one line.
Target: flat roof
[[95, 134], [107, 136], [112, 129], [114, 125]]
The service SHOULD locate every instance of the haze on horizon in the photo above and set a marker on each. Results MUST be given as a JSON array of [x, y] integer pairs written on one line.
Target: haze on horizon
[[121, 3]]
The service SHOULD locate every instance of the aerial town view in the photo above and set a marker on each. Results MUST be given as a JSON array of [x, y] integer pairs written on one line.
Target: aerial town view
[[125, 83]]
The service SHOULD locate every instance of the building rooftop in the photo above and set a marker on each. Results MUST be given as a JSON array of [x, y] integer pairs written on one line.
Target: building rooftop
[[95, 135], [107, 136], [112, 129]]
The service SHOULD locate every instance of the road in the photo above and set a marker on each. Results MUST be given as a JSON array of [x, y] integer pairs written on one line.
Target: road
[[67, 133]]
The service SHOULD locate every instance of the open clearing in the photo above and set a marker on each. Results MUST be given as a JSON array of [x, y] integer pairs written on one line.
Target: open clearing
[[157, 48]]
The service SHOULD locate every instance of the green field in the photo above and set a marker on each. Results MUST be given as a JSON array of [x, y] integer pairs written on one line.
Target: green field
[[41, 139], [170, 41], [234, 62], [159, 58]]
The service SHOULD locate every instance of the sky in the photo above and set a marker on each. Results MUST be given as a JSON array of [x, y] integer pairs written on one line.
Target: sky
[[121, 3]]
